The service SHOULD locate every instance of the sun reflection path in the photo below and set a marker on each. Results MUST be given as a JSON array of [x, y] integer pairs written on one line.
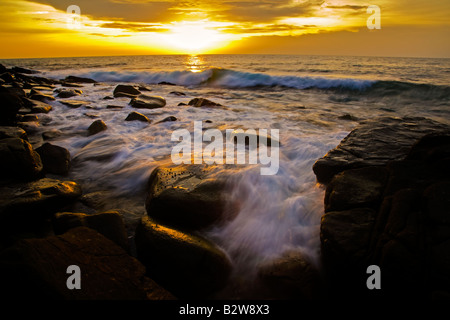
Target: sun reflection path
[[195, 63]]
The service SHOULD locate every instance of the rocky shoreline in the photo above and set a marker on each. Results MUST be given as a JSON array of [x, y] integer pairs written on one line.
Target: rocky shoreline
[[386, 204]]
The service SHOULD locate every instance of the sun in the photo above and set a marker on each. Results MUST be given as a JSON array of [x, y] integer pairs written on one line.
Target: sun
[[195, 37]]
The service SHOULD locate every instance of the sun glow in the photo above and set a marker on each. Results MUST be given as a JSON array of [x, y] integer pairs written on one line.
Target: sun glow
[[195, 36]]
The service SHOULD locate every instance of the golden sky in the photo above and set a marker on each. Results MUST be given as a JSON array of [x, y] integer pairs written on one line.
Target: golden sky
[[43, 28]]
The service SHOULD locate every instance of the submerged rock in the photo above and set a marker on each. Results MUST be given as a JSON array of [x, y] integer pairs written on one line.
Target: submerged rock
[[148, 102], [38, 269], [67, 93], [74, 103], [186, 264], [185, 196], [201, 102], [74, 79]]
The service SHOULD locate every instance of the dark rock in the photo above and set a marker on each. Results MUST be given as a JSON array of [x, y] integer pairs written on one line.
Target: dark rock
[[68, 93], [23, 70], [8, 77], [96, 200], [22, 203], [178, 93], [108, 98], [148, 102], [165, 83], [292, 276], [143, 88], [74, 79], [38, 269], [55, 159], [188, 265], [12, 132], [182, 104], [371, 144], [18, 160], [10, 104], [184, 196], [71, 85], [39, 96], [168, 119], [110, 106], [201, 102], [35, 106], [127, 89], [136, 116], [29, 118], [109, 223], [96, 127], [356, 188], [348, 117]]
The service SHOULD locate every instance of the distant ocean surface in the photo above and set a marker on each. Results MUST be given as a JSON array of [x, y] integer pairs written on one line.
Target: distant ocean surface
[[314, 102]]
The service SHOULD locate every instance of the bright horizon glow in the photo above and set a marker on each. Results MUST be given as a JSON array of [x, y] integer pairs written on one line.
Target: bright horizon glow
[[39, 28]]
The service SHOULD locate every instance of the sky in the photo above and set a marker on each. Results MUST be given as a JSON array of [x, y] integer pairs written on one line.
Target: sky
[[45, 28]]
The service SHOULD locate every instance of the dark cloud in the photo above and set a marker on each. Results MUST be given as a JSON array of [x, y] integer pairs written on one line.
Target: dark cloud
[[134, 27]]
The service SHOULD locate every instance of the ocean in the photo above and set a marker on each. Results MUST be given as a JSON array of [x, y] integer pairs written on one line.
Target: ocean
[[313, 102]]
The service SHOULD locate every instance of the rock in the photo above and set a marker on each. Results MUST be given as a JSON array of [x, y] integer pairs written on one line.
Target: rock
[[51, 134], [143, 88], [184, 196], [55, 159], [96, 200], [201, 102], [74, 79], [127, 89], [39, 96], [292, 276], [23, 70], [38, 269], [67, 93], [187, 265], [97, 127], [110, 106], [148, 102], [71, 85], [74, 103], [26, 203], [10, 104], [12, 132], [136, 116], [356, 188], [348, 117], [168, 119], [177, 93], [165, 83], [109, 223], [370, 144], [37, 106], [18, 160]]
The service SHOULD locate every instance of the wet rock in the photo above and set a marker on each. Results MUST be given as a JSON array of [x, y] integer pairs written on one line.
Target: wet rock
[[143, 88], [136, 116], [128, 90], [178, 93], [74, 79], [29, 118], [110, 106], [148, 102], [186, 264], [35, 106], [371, 144], [348, 117], [10, 104], [97, 127], [201, 102], [39, 96], [18, 160], [12, 132], [67, 93], [108, 223], [165, 83], [71, 85], [168, 119], [26, 203], [185, 196], [292, 276], [37, 269], [51, 134], [55, 159], [74, 103]]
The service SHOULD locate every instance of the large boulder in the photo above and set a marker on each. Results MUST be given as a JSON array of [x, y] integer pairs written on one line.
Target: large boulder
[[108, 223], [186, 264], [39, 269], [185, 196], [12, 132], [18, 160], [371, 144], [148, 102], [55, 159]]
